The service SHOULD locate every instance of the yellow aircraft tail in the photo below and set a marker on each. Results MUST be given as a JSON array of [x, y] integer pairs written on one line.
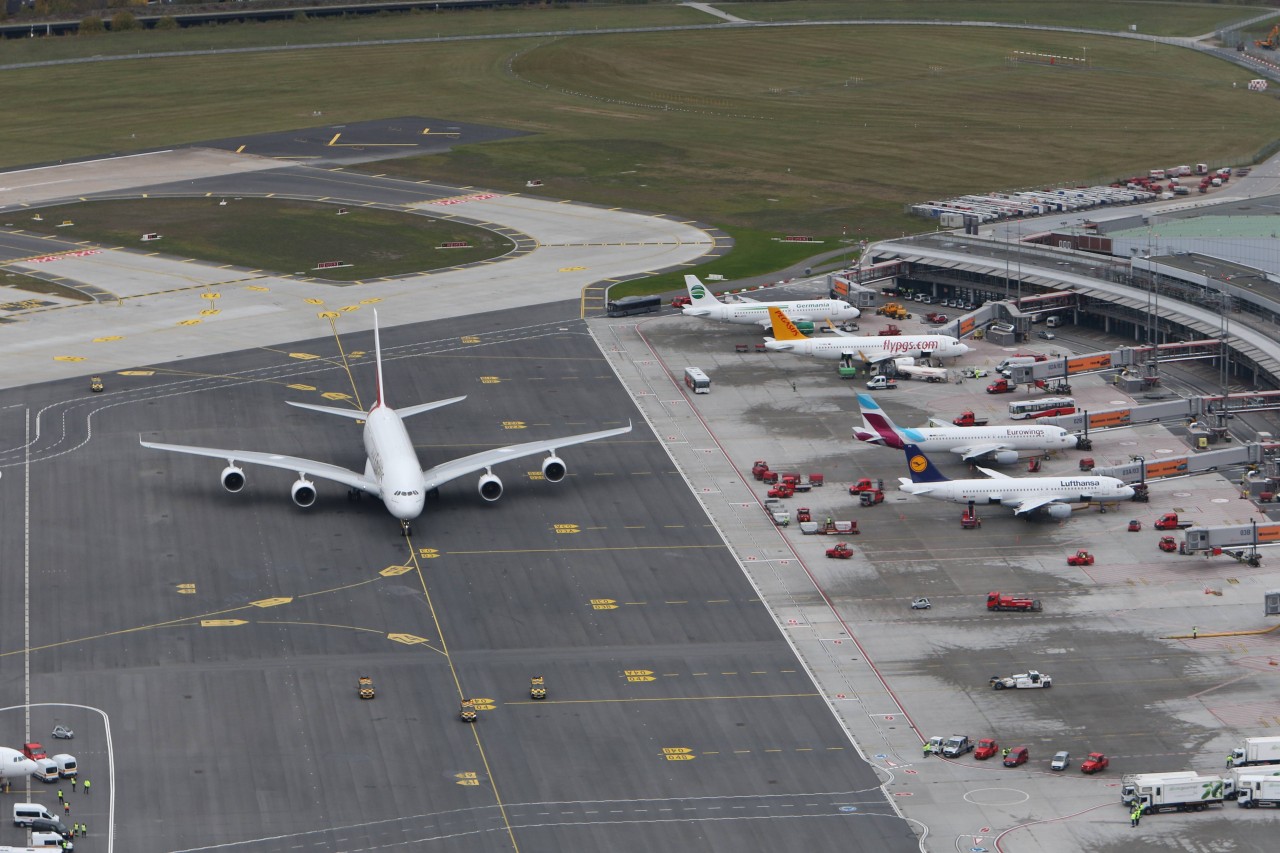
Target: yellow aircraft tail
[[783, 328]]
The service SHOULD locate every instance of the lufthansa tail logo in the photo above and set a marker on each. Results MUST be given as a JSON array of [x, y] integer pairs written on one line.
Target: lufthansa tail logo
[[918, 464], [698, 291]]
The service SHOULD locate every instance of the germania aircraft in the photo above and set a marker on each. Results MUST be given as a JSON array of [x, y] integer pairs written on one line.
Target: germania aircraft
[[15, 765], [787, 338], [392, 471], [1024, 494], [1002, 443], [703, 303]]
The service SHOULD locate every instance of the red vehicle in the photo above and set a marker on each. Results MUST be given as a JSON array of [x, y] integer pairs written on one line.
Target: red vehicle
[[1080, 558], [1001, 386], [987, 747], [680, 301], [782, 490], [1095, 763], [871, 498], [1134, 525], [970, 521], [935, 317], [969, 419], [840, 551], [996, 601], [803, 514], [33, 751], [1169, 521], [1168, 544], [1017, 755], [759, 469], [890, 330], [864, 485]]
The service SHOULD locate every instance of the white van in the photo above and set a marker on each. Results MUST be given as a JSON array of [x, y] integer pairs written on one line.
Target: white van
[[24, 813], [698, 382], [50, 839], [1053, 321], [66, 765], [46, 770]]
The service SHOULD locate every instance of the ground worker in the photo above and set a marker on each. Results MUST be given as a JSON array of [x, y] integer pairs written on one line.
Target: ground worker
[[1136, 815], [1231, 759], [86, 786], [60, 798], [1004, 753], [73, 784]]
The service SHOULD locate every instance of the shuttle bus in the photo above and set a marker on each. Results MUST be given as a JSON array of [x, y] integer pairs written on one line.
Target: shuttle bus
[[628, 305], [697, 381], [1045, 407]]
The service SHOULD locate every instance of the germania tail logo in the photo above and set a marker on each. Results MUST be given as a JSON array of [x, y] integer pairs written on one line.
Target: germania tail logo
[[918, 464], [698, 291]]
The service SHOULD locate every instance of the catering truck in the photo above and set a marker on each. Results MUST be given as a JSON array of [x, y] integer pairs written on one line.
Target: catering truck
[[1255, 790], [1256, 750], [1182, 791]]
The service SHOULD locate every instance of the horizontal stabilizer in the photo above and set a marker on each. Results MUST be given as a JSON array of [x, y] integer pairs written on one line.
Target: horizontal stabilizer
[[995, 475], [410, 411], [354, 414]]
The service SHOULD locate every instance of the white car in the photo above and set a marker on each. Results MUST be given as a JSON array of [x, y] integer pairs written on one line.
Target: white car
[[1061, 760], [1021, 681]]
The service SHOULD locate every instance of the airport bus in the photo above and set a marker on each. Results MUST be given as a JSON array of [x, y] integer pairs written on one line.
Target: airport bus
[[1045, 407], [628, 305], [697, 381]]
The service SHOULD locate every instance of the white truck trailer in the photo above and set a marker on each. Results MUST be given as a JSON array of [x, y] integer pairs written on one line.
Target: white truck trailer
[[1182, 791], [1253, 790], [1256, 750]]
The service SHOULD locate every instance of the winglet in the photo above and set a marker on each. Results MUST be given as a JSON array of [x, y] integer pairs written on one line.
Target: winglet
[[922, 470], [377, 351], [783, 328]]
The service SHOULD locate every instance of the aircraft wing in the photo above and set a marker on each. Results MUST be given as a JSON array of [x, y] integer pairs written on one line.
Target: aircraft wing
[[319, 470], [973, 451], [876, 359], [995, 475], [447, 471], [1034, 503], [838, 331]]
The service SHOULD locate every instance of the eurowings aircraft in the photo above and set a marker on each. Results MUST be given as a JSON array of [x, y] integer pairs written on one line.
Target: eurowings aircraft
[[392, 471], [787, 338], [703, 303], [1024, 494], [1002, 443]]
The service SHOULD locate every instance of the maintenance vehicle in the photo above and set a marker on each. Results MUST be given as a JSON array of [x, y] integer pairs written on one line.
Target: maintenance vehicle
[[1181, 791], [956, 746], [987, 748], [1080, 558], [364, 686], [840, 551], [1061, 760], [1017, 756], [1020, 681], [1257, 790], [1095, 763], [882, 383], [1169, 521], [970, 419], [999, 601], [537, 687]]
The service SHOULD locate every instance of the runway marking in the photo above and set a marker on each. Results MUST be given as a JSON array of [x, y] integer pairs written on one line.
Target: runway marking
[[622, 700], [589, 550], [346, 365]]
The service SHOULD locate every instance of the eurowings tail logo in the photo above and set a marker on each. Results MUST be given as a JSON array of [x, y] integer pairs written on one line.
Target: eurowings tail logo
[[783, 328]]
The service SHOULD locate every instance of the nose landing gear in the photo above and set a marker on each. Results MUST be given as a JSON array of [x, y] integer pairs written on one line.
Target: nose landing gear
[[404, 526]]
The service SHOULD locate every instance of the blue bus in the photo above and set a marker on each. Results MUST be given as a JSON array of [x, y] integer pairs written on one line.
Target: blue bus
[[628, 305]]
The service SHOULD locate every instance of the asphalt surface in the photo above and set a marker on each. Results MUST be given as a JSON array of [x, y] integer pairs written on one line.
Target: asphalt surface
[[206, 646]]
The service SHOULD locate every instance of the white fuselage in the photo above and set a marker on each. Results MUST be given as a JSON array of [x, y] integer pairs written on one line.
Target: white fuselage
[[15, 765], [757, 313], [957, 439], [394, 463], [873, 349], [1014, 491]]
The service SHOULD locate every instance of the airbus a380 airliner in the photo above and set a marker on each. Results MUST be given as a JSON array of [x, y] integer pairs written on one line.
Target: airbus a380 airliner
[[392, 471], [1000, 442], [703, 303]]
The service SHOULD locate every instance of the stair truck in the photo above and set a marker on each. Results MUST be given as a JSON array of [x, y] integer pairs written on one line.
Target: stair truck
[[1181, 791]]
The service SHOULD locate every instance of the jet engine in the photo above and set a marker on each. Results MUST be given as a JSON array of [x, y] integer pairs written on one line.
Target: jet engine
[[232, 478], [1056, 510], [553, 469], [1005, 457], [490, 487], [304, 492]]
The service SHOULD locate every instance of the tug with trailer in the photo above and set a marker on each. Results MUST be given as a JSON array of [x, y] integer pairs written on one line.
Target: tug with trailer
[[1021, 681], [1001, 386], [1181, 791], [1256, 750], [997, 601]]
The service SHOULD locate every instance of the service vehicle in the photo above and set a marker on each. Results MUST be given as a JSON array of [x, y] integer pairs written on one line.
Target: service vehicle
[[803, 514], [46, 839], [46, 770], [1169, 521], [1001, 386], [629, 305], [1256, 750], [1018, 755], [1135, 525], [66, 765], [1045, 335], [956, 746], [840, 551], [1168, 544], [975, 372], [537, 687], [882, 383], [934, 746], [364, 686], [970, 520], [987, 747], [1021, 681], [95, 383], [1000, 601], [1080, 558], [865, 484], [34, 751], [759, 468], [1181, 791], [890, 331], [969, 419], [697, 381], [871, 498], [1095, 763], [1256, 790], [935, 317], [782, 490], [1045, 407], [1061, 760], [920, 603], [681, 301]]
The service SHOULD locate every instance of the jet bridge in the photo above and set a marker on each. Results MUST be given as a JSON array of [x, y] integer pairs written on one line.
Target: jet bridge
[[1178, 409], [1139, 469], [1128, 359]]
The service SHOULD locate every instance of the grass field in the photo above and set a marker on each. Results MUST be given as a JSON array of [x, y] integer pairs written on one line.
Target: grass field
[[278, 235], [817, 130], [30, 284]]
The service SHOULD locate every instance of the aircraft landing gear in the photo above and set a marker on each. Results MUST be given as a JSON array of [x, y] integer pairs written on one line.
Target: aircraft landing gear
[[354, 494], [404, 526]]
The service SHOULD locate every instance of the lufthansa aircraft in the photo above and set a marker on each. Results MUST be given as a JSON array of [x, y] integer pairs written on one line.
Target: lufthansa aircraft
[[1023, 494], [392, 471], [1002, 443], [787, 338], [703, 303]]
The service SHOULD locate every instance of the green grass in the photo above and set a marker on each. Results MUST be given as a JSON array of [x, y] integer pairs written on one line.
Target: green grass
[[278, 235], [31, 284], [809, 130], [1152, 18]]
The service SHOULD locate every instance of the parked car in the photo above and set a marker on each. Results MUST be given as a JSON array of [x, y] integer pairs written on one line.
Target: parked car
[[1061, 760], [1018, 755], [1045, 334]]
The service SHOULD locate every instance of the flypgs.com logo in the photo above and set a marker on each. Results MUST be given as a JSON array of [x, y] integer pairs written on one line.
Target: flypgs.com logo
[[698, 291], [918, 464], [910, 346]]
